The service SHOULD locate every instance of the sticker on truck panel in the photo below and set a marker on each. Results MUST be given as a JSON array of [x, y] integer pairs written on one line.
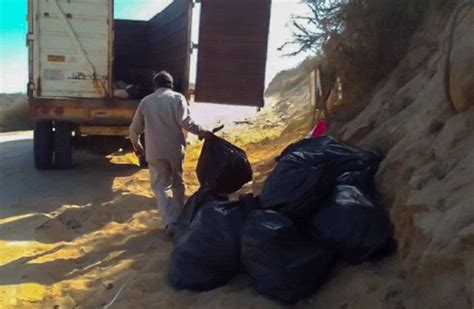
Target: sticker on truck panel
[[59, 74], [53, 74], [77, 76], [56, 58]]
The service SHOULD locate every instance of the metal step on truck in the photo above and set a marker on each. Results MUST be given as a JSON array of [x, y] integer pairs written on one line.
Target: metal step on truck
[[89, 71]]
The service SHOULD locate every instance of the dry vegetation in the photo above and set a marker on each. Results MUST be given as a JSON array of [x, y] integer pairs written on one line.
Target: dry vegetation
[[14, 112], [359, 41]]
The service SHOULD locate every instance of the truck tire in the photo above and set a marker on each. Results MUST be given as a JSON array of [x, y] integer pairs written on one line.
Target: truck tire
[[63, 145], [43, 145]]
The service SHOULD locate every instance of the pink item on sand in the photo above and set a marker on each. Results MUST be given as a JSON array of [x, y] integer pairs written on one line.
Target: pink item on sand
[[320, 129]]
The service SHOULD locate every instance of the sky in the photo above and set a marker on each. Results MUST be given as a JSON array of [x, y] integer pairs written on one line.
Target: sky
[[13, 27]]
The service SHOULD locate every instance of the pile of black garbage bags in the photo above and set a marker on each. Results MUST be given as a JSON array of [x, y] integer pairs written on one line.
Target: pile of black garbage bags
[[316, 209]]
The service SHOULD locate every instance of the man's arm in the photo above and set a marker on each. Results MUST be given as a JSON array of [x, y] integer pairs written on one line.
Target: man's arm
[[136, 128], [186, 121]]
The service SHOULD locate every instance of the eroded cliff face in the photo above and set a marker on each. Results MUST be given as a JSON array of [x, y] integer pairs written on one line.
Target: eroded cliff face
[[427, 177]]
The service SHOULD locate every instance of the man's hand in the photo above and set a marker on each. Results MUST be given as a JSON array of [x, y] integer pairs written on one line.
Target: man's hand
[[206, 135], [138, 148]]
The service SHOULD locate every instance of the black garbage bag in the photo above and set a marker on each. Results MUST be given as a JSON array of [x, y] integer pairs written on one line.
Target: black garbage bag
[[296, 186], [358, 173], [207, 255], [307, 171], [352, 226], [332, 150], [201, 197], [307, 144], [223, 167], [282, 263]]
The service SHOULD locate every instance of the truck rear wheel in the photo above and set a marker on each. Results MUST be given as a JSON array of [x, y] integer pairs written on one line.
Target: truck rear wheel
[[63, 145], [43, 145]]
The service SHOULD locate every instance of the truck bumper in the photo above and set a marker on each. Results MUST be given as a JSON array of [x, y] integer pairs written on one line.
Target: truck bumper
[[93, 113], [103, 130]]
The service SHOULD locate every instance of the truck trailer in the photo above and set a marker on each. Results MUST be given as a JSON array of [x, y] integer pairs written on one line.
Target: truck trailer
[[89, 71]]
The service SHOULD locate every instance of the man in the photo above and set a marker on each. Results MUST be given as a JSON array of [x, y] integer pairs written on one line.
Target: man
[[162, 116]]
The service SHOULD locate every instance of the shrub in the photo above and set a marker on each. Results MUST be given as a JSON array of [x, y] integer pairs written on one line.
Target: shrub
[[360, 41], [14, 112]]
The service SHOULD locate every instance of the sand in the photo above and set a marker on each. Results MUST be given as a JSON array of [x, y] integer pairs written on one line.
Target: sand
[[76, 238]]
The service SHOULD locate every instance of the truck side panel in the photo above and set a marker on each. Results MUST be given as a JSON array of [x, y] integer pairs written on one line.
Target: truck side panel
[[233, 38], [71, 43]]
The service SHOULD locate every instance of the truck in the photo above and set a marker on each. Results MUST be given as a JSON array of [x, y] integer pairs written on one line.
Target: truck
[[81, 58]]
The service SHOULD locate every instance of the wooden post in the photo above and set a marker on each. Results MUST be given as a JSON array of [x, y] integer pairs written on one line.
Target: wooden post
[[317, 95], [313, 96], [322, 98], [318, 82]]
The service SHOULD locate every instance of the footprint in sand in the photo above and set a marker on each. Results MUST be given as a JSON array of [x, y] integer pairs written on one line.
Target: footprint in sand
[[54, 231]]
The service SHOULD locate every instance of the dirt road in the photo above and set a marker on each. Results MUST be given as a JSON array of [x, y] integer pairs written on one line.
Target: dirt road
[[50, 220]]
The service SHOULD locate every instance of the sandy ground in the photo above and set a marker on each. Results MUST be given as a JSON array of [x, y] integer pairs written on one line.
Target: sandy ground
[[76, 238]]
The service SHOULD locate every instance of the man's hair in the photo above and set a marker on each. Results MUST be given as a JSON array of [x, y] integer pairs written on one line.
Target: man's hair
[[163, 79]]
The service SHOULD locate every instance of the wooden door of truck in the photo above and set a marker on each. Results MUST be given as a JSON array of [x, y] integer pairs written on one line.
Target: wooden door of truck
[[232, 53], [170, 42]]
